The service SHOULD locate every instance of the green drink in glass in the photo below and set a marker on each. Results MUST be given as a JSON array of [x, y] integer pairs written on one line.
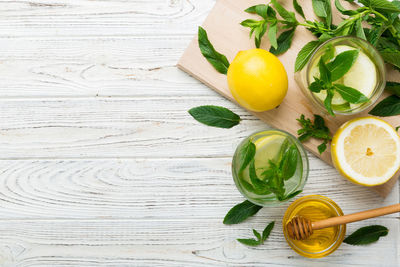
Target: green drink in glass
[[270, 167]]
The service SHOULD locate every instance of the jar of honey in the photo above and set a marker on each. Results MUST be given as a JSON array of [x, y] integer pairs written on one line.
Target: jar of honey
[[322, 242]]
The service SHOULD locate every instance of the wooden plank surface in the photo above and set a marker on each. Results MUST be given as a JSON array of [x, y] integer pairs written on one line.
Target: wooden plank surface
[[224, 31], [100, 163]]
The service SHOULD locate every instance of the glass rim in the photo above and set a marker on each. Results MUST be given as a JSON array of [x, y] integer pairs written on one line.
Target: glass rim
[[379, 62], [337, 242], [302, 181]]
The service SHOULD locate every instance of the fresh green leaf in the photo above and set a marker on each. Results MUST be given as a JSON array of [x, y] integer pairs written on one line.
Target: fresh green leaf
[[259, 33], [257, 235], [261, 10], [322, 8], [284, 41], [241, 212], [282, 150], [350, 94], [380, 5], [397, 128], [324, 73], [366, 235], [342, 64], [391, 56], [219, 61], [329, 53], [215, 116], [286, 15], [272, 31], [288, 164], [267, 231], [251, 23], [317, 85], [342, 10], [316, 129], [393, 87], [260, 186], [389, 106], [322, 147], [298, 8], [246, 154], [360, 30], [328, 101], [304, 55], [249, 242], [292, 195]]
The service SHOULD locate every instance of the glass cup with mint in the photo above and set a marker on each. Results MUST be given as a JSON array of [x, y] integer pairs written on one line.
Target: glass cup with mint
[[345, 75], [270, 167]]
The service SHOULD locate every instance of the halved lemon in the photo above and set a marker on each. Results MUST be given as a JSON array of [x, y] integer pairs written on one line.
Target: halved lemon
[[366, 151]]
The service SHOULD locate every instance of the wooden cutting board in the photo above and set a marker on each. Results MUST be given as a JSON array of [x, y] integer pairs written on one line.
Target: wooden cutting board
[[228, 37]]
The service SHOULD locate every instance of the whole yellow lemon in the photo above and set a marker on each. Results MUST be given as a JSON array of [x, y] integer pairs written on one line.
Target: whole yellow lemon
[[257, 80]]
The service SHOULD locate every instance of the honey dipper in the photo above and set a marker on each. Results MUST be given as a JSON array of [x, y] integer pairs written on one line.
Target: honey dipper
[[301, 228]]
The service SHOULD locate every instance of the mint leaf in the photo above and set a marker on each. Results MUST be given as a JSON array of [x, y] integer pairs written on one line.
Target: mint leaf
[[288, 164], [215, 116], [389, 106], [219, 61], [284, 41], [397, 128], [267, 231], [246, 154], [249, 242], [317, 85], [393, 87], [391, 56], [260, 186], [366, 235], [342, 64], [272, 31], [380, 5], [241, 212], [360, 30], [316, 129], [298, 8], [292, 195], [328, 101], [324, 73], [257, 235], [322, 8], [344, 11], [261, 10], [286, 15], [350, 94], [322, 147], [304, 55]]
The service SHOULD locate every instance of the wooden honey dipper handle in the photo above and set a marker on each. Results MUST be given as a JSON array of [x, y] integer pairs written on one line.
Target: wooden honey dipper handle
[[355, 217]]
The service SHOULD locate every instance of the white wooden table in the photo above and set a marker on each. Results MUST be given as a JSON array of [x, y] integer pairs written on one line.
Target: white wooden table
[[100, 163]]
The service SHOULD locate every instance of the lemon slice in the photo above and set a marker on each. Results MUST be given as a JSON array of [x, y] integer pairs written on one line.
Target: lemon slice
[[366, 151], [267, 148]]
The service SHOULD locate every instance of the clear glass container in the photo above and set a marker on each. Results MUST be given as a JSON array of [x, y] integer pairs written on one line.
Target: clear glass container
[[268, 146], [304, 77], [322, 242]]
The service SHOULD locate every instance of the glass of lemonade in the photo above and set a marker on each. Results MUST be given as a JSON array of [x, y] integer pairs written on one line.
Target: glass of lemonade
[[275, 172], [367, 75]]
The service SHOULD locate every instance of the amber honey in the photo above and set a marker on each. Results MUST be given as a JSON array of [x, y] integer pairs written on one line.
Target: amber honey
[[324, 241]]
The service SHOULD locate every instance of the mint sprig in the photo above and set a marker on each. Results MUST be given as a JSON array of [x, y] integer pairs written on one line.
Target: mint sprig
[[333, 71], [260, 239], [316, 129], [381, 15], [274, 175]]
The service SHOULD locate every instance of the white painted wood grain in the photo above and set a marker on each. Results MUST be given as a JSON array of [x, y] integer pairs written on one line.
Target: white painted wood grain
[[184, 188], [100, 163]]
